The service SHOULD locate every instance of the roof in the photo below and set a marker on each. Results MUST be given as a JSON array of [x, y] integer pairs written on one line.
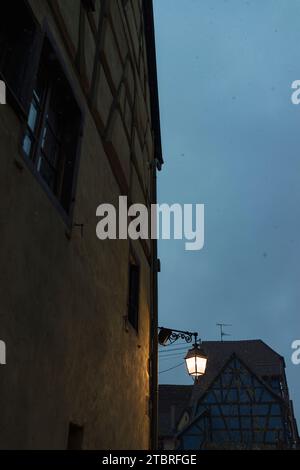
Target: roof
[[173, 399], [256, 354]]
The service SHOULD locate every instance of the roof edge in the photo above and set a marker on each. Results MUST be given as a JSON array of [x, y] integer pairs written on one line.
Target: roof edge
[[153, 80]]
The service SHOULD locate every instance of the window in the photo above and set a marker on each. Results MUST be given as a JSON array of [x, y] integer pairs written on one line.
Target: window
[[245, 410], [232, 395], [220, 436], [246, 422], [75, 437], [19, 46], [271, 437], [214, 410], [260, 409], [275, 422], [276, 410], [210, 398], [235, 436], [218, 423], [134, 288], [232, 423], [53, 127]]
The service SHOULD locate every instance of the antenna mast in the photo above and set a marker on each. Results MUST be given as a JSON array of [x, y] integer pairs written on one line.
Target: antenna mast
[[222, 333]]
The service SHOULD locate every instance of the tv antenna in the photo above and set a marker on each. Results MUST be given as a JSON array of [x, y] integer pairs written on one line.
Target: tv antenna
[[222, 326]]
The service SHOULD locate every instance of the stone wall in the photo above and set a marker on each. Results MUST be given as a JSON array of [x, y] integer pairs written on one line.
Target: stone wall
[[71, 354]]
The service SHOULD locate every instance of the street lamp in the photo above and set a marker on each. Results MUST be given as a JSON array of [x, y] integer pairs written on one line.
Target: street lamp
[[195, 359]]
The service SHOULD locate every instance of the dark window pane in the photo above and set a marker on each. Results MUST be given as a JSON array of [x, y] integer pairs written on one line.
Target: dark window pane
[[191, 442], [275, 409], [133, 308], [258, 394], [50, 146], [220, 436], [244, 397], [214, 410], [226, 409], [33, 116], [246, 423], [234, 410], [218, 395], [232, 395], [275, 423], [259, 422], [27, 144], [266, 396], [245, 409], [218, 423], [260, 409], [232, 423], [226, 379], [235, 436], [275, 383], [47, 172], [246, 379], [258, 437], [210, 398], [246, 437], [271, 437]]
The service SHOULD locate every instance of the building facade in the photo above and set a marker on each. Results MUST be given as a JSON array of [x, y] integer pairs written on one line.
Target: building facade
[[78, 315], [242, 402]]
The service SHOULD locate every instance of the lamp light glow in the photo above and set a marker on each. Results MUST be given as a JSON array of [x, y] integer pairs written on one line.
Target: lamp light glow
[[196, 361]]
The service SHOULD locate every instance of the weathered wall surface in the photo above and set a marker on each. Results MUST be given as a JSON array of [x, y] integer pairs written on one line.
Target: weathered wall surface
[[71, 356]]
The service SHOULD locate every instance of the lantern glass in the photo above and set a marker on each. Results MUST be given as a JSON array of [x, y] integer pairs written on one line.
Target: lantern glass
[[196, 361]]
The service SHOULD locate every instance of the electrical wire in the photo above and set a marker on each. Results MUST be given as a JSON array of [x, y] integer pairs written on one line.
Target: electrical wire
[[172, 350], [171, 368], [170, 356], [173, 345]]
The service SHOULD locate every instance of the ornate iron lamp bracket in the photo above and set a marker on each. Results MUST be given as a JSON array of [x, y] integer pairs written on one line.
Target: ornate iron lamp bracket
[[166, 336]]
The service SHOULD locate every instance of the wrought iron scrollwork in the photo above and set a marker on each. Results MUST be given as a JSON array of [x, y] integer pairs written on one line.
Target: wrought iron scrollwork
[[167, 336]]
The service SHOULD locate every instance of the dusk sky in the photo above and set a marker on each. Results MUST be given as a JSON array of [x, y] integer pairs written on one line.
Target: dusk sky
[[231, 140]]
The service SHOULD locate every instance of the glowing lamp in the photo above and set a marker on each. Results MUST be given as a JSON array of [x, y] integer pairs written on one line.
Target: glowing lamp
[[196, 361]]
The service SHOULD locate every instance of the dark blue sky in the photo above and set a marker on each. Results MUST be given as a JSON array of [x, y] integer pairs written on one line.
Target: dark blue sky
[[231, 140]]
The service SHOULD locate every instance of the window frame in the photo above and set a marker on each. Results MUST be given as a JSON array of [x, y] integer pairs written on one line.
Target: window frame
[[134, 262], [46, 34]]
